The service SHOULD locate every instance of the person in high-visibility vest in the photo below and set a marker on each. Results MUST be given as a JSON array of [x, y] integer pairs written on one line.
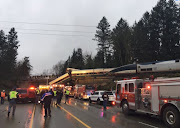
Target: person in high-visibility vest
[[55, 93], [12, 101], [3, 94], [67, 96], [37, 95]]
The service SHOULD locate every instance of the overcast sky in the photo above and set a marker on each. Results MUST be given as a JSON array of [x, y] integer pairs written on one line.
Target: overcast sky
[[46, 50]]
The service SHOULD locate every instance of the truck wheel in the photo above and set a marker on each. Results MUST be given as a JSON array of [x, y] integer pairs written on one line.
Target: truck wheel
[[79, 97], [98, 101], [90, 100], [33, 100], [26, 100], [171, 117], [125, 108]]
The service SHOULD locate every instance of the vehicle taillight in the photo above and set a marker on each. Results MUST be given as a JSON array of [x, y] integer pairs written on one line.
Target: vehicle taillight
[[32, 88], [113, 103]]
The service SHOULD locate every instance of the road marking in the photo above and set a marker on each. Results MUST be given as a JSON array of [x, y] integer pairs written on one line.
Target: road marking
[[87, 126], [148, 125], [30, 126]]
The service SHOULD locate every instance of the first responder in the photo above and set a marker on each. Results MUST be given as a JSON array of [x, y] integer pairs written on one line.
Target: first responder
[[55, 93], [55, 96], [46, 99], [67, 96], [105, 100], [59, 96], [37, 95], [12, 100], [3, 94]]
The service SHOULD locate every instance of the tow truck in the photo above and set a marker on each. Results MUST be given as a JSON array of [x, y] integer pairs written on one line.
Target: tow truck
[[159, 97]]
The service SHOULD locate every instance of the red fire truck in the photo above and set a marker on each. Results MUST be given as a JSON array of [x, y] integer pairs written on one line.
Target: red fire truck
[[83, 91], [159, 97], [26, 94]]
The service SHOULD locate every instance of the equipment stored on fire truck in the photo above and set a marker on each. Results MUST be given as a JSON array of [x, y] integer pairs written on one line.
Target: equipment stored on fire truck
[[159, 97], [26, 94], [83, 91]]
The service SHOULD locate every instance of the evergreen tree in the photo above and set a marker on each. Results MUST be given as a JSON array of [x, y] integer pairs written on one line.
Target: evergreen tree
[[8, 53], [102, 36], [3, 49], [11, 53], [170, 35], [98, 60], [23, 69], [121, 39], [89, 63], [140, 40], [155, 30], [77, 60], [80, 59]]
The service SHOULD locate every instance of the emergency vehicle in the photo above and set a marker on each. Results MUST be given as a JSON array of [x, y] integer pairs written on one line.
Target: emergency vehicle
[[57, 87], [83, 91], [26, 94], [44, 87], [159, 97]]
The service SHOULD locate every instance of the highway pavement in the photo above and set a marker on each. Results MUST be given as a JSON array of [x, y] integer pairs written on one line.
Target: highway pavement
[[75, 114]]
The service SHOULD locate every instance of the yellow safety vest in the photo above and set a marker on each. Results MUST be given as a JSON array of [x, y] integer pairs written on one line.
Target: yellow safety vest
[[13, 94], [2, 94], [67, 92], [54, 93], [37, 91]]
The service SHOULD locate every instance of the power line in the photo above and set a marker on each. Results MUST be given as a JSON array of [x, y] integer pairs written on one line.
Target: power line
[[48, 24], [49, 30], [53, 34]]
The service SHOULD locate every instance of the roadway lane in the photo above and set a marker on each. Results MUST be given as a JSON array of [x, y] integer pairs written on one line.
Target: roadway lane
[[76, 114], [94, 116], [59, 118], [21, 119]]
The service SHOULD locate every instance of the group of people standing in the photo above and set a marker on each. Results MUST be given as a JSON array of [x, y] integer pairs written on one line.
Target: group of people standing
[[45, 97]]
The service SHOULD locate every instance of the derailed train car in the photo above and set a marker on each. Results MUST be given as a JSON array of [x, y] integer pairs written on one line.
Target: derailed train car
[[157, 66]]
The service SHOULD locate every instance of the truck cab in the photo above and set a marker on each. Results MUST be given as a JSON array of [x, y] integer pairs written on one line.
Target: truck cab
[[160, 97], [26, 95]]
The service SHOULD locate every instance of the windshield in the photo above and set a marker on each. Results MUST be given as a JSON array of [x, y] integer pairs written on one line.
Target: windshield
[[101, 93], [109, 93], [22, 91]]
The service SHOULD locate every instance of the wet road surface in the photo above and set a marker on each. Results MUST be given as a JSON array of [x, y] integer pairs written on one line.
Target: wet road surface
[[76, 114]]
